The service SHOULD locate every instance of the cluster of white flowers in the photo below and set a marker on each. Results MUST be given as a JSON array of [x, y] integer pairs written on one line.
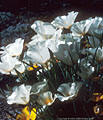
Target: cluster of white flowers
[[65, 47], [21, 94]]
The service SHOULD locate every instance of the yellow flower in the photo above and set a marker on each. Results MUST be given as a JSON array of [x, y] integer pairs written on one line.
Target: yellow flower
[[26, 114], [33, 114], [32, 68], [97, 97]]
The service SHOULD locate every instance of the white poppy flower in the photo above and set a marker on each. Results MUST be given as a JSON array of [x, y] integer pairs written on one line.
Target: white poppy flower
[[20, 95], [45, 29], [37, 54], [68, 53], [95, 25], [68, 90], [46, 98], [79, 29], [37, 40], [52, 43], [38, 51], [14, 49], [8, 64], [39, 87], [65, 21]]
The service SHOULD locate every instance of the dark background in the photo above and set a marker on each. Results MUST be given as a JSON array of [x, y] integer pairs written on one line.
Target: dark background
[[38, 5]]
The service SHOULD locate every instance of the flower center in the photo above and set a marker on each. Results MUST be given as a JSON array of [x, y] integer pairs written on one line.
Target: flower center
[[47, 101]]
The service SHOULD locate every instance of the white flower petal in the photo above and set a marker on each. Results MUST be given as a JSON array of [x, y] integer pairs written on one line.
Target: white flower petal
[[46, 98], [81, 28], [97, 52], [7, 64], [21, 95], [45, 29], [65, 21], [19, 67], [95, 25], [94, 42], [14, 49], [68, 53], [68, 90], [38, 54], [39, 87]]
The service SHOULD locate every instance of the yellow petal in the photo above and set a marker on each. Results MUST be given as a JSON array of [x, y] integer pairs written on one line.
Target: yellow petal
[[33, 114], [26, 115], [30, 68], [101, 97], [35, 66], [26, 111]]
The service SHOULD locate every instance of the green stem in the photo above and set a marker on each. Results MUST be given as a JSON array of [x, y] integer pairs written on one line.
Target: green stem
[[62, 71]]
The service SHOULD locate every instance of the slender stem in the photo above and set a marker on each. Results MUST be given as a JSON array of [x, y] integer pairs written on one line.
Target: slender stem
[[94, 57], [74, 107], [50, 82], [19, 75], [62, 71]]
